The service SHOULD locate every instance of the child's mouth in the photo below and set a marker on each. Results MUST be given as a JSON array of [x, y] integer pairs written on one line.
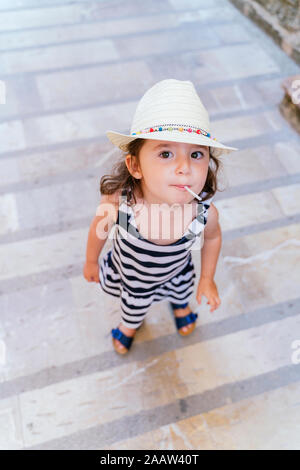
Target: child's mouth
[[181, 186]]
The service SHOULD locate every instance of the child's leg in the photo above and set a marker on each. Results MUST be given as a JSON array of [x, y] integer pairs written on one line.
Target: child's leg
[[134, 310]]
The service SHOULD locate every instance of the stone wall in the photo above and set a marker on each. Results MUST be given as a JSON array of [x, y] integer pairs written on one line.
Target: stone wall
[[279, 18], [286, 11], [290, 105]]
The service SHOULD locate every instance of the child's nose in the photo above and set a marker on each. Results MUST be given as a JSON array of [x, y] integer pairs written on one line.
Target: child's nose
[[183, 165]]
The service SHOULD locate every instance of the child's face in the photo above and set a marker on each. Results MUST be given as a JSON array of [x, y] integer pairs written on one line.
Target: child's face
[[165, 164]]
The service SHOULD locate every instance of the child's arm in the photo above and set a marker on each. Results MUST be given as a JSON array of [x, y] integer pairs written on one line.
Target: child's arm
[[209, 257], [99, 230], [212, 244]]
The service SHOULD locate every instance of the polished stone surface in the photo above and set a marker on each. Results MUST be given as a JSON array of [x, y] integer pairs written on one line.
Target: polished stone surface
[[235, 382]]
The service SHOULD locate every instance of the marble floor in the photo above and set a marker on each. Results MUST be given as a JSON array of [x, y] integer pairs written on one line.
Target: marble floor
[[72, 70]]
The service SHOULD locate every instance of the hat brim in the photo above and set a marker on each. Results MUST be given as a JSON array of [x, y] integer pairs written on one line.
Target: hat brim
[[217, 148]]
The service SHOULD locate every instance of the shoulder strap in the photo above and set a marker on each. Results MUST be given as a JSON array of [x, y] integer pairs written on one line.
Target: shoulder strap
[[125, 214], [201, 218], [123, 210], [203, 213]]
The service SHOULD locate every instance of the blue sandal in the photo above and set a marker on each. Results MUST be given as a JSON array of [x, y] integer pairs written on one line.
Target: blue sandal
[[125, 340], [184, 321]]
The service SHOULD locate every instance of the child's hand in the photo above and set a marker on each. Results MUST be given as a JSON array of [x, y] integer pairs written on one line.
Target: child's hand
[[208, 288], [91, 271]]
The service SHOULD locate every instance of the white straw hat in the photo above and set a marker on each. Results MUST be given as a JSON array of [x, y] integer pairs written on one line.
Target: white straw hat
[[171, 110]]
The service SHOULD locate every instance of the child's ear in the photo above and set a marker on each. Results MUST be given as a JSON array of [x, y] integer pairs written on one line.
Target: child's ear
[[133, 166]]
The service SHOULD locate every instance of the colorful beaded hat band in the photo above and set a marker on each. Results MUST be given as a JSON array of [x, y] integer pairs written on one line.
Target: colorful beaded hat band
[[174, 127]]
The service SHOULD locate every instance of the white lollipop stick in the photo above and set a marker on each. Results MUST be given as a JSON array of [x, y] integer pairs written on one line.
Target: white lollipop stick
[[194, 194]]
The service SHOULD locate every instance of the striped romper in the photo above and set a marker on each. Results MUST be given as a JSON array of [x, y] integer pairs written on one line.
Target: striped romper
[[141, 272]]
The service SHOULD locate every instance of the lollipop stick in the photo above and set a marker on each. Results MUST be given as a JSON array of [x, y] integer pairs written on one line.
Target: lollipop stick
[[194, 194]]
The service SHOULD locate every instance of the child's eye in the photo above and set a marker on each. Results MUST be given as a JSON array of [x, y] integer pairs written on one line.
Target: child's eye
[[198, 151], [162, 153]]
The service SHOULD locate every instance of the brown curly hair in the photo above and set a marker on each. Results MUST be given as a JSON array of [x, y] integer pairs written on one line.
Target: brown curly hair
[[120, 178]]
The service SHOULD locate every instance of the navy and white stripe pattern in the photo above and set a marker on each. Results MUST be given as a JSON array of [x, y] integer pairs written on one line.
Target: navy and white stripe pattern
[[141, 272]]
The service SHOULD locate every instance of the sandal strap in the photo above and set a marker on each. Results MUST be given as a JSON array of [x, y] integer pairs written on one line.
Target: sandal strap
[[176, 306], [184, 321], [125, 340]]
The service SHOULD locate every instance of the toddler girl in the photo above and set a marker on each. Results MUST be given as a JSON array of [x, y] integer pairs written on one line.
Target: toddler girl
[[158, 199]]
